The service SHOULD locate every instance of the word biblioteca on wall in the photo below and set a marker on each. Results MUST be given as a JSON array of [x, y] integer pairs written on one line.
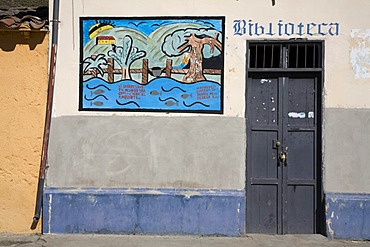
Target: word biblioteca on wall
[[281, 28]]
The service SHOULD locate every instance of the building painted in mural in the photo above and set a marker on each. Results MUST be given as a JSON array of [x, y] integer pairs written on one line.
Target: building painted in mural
[[199, 118], [23, 73], [105, 40]]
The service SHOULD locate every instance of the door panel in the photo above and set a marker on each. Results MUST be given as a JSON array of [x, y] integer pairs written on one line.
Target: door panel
[[263, 212], [301, 101], [263, 197], [265, 158], [281, 149], [299, 175], [301, 154], [264, 183], [264, 102], [300, 209]]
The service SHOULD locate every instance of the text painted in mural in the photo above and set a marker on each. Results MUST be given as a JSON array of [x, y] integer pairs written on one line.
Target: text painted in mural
[[281, 28], [130, 91], [207, 92]]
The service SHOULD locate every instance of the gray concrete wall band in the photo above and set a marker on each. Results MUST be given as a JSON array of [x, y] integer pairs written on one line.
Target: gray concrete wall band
[[147, 152]]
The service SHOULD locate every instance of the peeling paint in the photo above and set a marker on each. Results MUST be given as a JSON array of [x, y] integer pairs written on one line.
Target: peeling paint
[[347, 216], [330, 230], [265, 81], [91, 199], [188, 194], [49, 211], [360, 53], [240, 219], [297, 115]]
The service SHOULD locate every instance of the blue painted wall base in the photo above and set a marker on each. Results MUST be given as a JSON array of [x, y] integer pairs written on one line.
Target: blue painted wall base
[[348, 216], [144, 211]]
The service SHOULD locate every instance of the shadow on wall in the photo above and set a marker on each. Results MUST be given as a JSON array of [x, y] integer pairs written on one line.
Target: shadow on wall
[[9, 39]]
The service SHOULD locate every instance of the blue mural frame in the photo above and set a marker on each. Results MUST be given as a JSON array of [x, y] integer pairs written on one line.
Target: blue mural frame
[[152, 64]]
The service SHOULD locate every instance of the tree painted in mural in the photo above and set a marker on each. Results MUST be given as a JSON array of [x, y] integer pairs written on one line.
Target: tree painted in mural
[[94, 64], [126, 54], [199, 43]]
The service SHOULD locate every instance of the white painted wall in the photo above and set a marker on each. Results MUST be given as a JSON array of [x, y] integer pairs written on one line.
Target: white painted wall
[[344, 86], [347, 59]]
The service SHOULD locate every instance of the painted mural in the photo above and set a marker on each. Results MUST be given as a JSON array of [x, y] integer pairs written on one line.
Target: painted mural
[[152, 64]]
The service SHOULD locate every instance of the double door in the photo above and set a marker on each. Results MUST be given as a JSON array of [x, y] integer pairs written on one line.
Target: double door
[[283, 176]]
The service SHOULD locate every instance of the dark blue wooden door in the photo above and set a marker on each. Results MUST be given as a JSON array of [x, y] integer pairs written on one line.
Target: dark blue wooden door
[[281, 154]]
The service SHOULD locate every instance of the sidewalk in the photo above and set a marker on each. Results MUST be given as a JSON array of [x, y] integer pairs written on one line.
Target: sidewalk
[[251, 240]]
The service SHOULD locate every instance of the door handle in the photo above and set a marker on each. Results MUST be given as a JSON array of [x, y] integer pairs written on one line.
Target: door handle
[[283, 157], [276, 144]]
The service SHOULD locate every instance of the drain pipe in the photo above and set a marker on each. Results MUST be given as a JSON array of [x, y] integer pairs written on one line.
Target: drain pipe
[[49, 105]]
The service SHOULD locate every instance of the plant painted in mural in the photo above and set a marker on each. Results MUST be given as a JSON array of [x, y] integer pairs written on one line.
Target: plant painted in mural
[[194, 42], [94, 64], [126, 54]]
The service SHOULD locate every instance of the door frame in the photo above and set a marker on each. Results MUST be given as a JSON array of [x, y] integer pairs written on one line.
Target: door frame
[[285, 72]]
